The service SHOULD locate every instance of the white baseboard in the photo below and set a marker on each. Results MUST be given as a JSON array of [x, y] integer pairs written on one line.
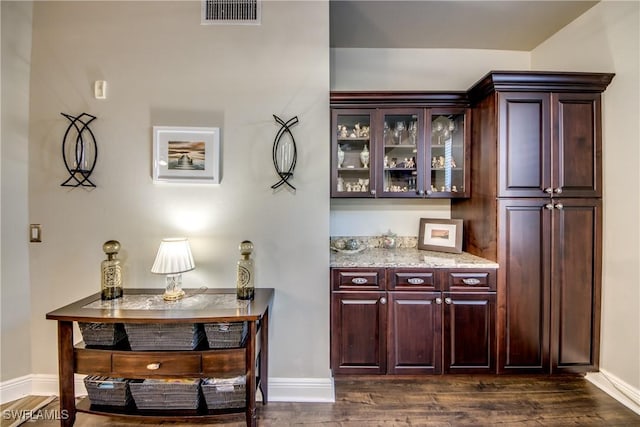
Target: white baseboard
[[301, 390], [45, 385], [616, 388], [280, 389], [14, 389], [35, 385]]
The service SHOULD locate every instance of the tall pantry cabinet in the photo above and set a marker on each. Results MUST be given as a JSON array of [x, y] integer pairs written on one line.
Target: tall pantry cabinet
[[535, 207]]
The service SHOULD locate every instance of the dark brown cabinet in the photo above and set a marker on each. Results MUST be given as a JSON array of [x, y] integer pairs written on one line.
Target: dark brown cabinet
[[359, 347], [549, 144], [428, 321], [535, 208], [399, 145], [469, 328], [415, 327]]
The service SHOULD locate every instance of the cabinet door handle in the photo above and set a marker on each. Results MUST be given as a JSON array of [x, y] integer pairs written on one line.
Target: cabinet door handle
[[438, 300], [558, 190], [471, 281], [415, 281], [548, 206], [559, 206], [548, 190], [153, 366], [373, 192], [383, 300], [447, 300], [358, 280]]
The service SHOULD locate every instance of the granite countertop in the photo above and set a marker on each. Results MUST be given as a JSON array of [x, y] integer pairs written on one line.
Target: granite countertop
[[408, 257]]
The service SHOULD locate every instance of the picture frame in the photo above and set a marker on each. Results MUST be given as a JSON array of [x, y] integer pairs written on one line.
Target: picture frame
[[186, 154], [442, 235]]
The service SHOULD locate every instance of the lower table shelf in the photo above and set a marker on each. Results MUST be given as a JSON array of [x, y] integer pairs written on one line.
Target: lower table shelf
[[131, 412]]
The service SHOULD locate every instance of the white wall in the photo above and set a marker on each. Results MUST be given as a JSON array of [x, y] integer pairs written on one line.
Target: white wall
[[418, 69], [607, 39], [14, 261], [163, 68], [406, 69]]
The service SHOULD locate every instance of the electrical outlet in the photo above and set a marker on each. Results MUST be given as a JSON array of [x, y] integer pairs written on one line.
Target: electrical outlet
[[35, 233]]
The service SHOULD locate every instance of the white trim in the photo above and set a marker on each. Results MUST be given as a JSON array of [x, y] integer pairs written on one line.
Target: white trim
[[44, 385], [36, 385], [616, 388], [301, 390], [15, 389]]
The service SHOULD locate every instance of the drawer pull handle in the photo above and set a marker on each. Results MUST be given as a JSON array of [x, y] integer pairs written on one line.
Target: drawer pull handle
[[471, 281], [438, 300], [153, 366], [359, 280], [383, 300], [416, 281], [448, 300]]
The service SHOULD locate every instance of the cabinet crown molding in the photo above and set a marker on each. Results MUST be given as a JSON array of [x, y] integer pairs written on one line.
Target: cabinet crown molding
[[387, 99], [536, 81], [522, 81]]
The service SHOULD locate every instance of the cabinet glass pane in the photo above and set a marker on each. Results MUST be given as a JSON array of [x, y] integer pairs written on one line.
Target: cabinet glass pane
[[447, 153], [399, 137], [353, 153]]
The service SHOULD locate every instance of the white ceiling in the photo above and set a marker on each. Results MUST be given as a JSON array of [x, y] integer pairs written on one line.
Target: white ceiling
[[504, 24]]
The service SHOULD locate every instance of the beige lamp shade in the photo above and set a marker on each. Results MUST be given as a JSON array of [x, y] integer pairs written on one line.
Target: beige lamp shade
[[173, 257]]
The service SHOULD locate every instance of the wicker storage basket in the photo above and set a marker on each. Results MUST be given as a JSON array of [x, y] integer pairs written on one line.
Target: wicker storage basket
[[167, 393], [163, 336], [108, 391], [102, 334], [226, 335], [225, 393]]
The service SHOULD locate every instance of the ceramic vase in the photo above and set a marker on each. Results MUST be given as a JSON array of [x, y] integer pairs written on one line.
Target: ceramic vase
[[340, 156], [364, 156]]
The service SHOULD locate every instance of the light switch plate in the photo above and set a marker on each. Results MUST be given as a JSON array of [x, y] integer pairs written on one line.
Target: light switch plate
[[100, 89]]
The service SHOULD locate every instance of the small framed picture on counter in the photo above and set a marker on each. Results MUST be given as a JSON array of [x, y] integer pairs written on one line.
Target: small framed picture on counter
[[443, 235]]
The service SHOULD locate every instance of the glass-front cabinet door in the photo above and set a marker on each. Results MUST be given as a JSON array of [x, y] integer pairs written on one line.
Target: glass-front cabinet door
[[401, 158], [353, 154], [449, 131], [400, 152]]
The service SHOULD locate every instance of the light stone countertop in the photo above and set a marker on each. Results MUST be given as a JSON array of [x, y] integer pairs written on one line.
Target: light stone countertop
[[408, 257]]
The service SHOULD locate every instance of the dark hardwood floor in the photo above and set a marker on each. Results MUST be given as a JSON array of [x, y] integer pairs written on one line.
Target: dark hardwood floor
[[435, 401]]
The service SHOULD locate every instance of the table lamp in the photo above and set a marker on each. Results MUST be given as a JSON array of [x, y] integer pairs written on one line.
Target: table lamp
[[173, 258]]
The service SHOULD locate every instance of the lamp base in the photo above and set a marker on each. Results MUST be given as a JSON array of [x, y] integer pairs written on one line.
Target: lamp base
[[173, 291], [172, 295]]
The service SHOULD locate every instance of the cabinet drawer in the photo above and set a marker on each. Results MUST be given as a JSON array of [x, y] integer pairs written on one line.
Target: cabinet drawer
[[156, 364], [230, 362], [371, 279], [94, 362], [408, 279], [471, 280]]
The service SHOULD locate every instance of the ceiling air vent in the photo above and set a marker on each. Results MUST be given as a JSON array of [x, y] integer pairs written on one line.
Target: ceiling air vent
[[216, 12]]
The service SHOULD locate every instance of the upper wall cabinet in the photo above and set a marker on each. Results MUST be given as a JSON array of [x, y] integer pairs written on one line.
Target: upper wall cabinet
[[550, 144], [400, 145]]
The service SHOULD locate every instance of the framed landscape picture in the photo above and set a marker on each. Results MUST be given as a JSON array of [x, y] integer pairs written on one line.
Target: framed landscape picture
[[186, 154], [443, 235]]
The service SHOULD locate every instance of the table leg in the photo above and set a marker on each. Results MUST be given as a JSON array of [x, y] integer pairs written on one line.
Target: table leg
[[251, 376], [65, 372], [264, 356]]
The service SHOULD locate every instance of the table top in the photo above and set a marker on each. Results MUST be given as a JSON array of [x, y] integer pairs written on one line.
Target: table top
[[146, 305]]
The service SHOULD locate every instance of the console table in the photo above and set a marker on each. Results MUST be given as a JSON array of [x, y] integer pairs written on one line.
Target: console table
[[146, 306]]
